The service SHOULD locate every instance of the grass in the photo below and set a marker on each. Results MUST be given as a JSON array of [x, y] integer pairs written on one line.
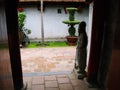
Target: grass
[[48, 44], [3, 46]]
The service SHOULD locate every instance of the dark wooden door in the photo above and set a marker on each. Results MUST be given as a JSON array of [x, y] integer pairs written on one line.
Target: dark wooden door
[[114, 70]]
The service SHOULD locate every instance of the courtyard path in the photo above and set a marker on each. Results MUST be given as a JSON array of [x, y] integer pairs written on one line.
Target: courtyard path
[[59, 59]]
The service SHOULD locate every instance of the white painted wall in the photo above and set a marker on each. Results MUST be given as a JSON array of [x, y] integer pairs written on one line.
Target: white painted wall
[[3, 27], [53, 26], [89, 30]]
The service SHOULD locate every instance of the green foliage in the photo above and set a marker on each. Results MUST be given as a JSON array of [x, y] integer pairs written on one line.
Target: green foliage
[[71, 12], [71, 22], [21, 20], [23, 32], [28, 31], [71, 31], [71, 9], [48, 44], [3, 46]]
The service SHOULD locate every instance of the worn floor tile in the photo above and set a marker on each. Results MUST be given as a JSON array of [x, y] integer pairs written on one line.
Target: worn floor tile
[[61, 76], [39, 80], [51, 84], [50, 77], [28, 81], [52, 89], [38, 87], [77, 82], [27, 78], [63, 80], [28, 89], [29, 84], [72, 76], [66, 87]]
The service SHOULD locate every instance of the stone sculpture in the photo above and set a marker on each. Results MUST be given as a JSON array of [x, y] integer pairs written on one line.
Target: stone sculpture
[[81, 51]]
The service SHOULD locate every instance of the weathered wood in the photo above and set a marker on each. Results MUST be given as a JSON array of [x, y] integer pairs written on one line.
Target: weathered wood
[[96, 42], [13, 42]]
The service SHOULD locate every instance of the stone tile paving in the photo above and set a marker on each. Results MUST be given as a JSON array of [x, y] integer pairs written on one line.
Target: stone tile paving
[[56, 82], [48, 59], [51, 60]]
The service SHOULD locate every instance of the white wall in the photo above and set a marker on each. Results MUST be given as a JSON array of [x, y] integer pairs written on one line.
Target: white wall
[[3, 29], [53, 26], [89, 30]]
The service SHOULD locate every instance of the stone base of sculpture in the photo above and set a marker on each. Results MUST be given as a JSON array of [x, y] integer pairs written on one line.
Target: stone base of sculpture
[[80, 75]]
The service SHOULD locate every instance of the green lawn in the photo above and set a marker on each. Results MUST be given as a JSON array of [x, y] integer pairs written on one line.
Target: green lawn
[[48, 44], [3, 46]]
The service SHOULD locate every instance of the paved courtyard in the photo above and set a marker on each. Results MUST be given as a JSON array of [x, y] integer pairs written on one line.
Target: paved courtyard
[[59, 59], [56, 82], [51, 69]]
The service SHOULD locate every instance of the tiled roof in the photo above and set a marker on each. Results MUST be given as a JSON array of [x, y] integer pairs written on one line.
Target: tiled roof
[[53, 0]]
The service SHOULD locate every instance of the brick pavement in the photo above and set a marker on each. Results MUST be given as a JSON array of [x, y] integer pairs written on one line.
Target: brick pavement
[[56, 82], [47, 59], [50, 69]]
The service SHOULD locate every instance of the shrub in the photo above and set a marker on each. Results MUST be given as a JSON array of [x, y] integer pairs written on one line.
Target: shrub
[[71, 12], [23, 32], [21, 20], [71, 22]]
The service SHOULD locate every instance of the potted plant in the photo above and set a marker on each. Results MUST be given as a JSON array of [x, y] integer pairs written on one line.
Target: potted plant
[[72, 38], [23, 32]]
